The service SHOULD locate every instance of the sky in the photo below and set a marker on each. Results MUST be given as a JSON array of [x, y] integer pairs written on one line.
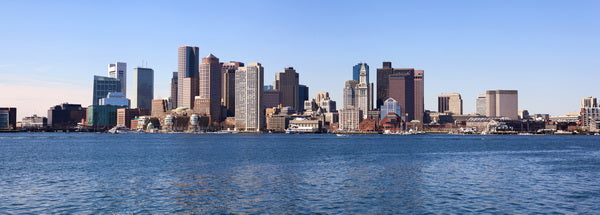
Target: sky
[[548, 50]]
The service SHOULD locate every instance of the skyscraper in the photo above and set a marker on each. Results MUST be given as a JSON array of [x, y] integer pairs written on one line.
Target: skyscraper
[[187, 67], [350, 94], [302, 96], [356, 71], [287, 83], [103, 86], [143, 91], [502, 103], [174, 86], [249, 112], [419, 95], [405, 85], [210, 86], [481, 108], [365, 92], [119, 71], [228, 87], [450, 103]]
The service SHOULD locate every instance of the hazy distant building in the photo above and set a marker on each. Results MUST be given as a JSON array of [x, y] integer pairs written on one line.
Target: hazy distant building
[[143, 88], [502, 103], [8, 118], [187, 73], [103, 86], [210, 86], [389, 106], [174, 86], [364, 92], [321, 96], [450, 103], [327, 105], [119, 71], [116, 99], [405, 85], [271, 98], [34, 122], [287, 82], [356, 71], [302, 95], [249, 112], [350, 94], [268, 87], [65, 116], [524, 114], [481, 105]]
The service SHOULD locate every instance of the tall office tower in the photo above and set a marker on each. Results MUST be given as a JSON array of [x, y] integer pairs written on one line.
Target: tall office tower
[[356, 71], [389, 106], [174, 86], [419, 109], [502, 103], [103, 86], [249, 112], [400, 84], [480, 105], [287, 83], [228, 86], [365, 92], [119, 71], [143, 88], [302, 96], [450, 103], [210, 86], [187, 67], [189, 92], [350, 94], [589, 102]]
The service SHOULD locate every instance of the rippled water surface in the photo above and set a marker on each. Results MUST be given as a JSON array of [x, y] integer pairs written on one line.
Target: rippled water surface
[[276, 173]]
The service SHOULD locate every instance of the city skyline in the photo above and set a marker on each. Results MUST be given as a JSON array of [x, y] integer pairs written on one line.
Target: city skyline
[[530, 49]]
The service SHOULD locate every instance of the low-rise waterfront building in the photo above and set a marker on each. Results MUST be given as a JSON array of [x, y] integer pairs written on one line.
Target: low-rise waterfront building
[[8, 118], [102, 117], [34, 122], [66, 116], [125, 115]]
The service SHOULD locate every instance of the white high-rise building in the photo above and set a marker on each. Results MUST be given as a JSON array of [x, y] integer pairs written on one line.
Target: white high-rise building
[[365, 92], [119, 71], [249, 112]]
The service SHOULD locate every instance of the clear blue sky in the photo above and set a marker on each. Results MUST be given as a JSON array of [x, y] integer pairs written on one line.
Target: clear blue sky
[[548, 50]]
